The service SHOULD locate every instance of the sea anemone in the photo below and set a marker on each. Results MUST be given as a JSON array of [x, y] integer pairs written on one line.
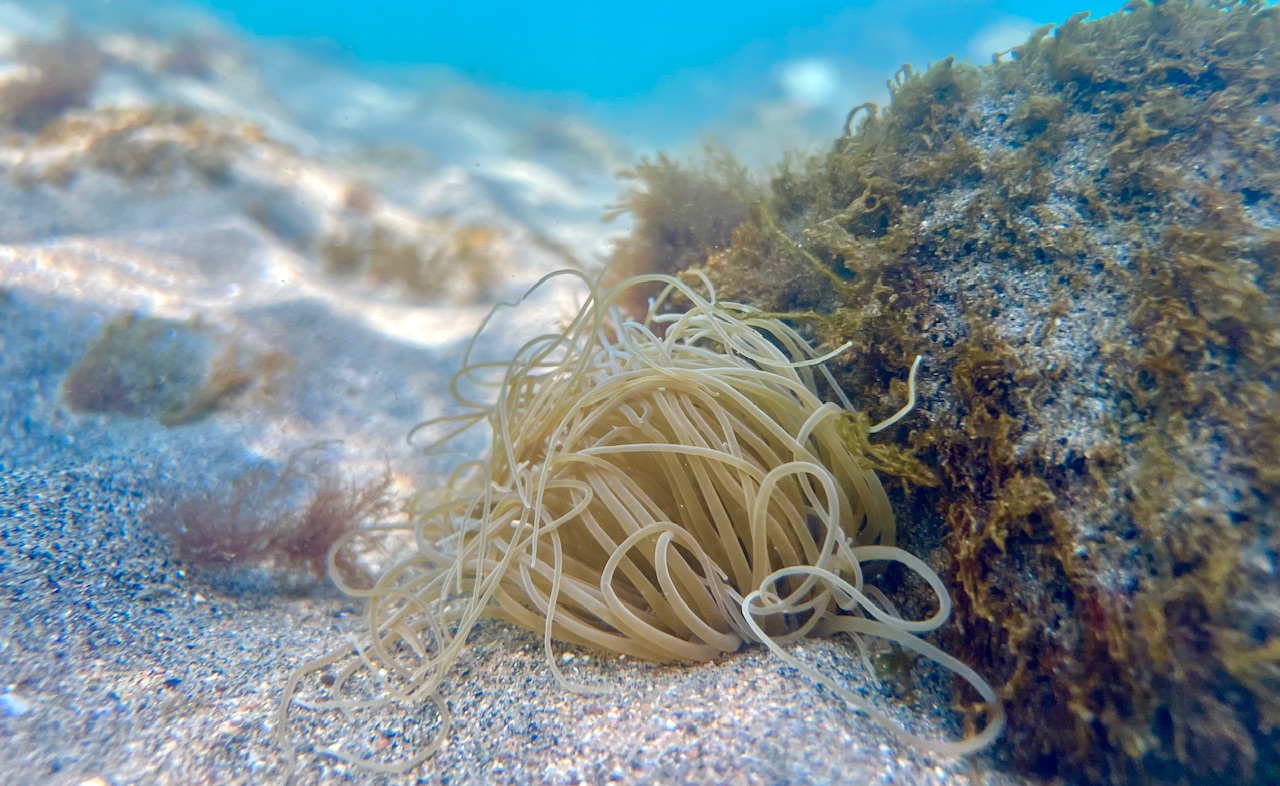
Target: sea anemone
[[668, 489]]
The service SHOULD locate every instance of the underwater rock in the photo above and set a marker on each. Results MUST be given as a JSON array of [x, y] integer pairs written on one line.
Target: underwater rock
[[1083, 240]]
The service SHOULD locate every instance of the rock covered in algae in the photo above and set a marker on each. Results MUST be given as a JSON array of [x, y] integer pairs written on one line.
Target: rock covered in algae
[[1083, 239]]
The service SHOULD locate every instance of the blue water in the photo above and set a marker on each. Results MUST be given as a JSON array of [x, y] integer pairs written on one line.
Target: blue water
[[611, 51]]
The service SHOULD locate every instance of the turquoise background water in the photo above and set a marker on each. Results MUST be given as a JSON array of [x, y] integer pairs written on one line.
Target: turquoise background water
[[610, 51]]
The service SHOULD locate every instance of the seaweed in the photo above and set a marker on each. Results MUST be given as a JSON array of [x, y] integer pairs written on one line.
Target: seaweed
[[275, 528], [425, 265], [682, 213]]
